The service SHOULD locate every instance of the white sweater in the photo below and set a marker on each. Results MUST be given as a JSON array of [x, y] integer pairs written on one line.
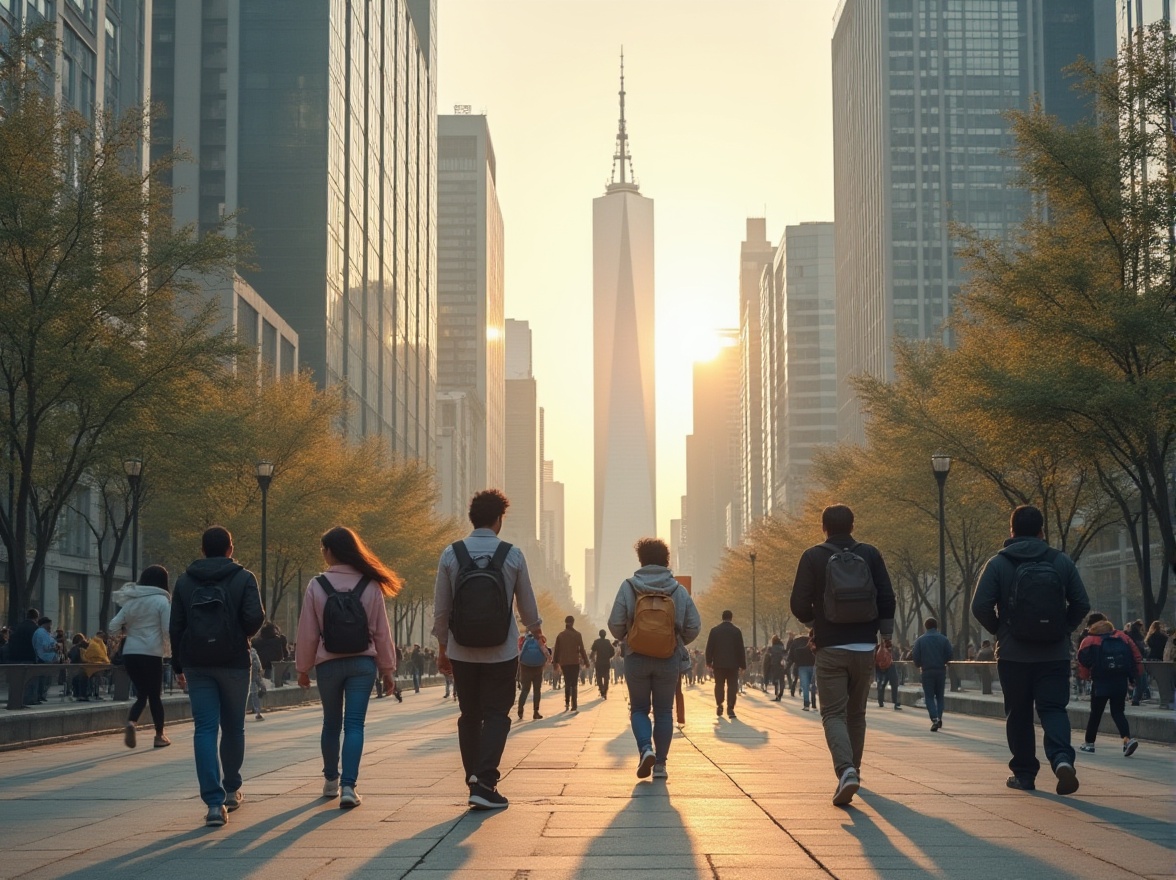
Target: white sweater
[[145, 612]]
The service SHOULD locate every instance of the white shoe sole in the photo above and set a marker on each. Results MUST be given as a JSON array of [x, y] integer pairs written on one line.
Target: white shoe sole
[[646, 765]]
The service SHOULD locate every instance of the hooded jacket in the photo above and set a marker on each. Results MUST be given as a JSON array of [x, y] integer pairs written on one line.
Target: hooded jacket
[[990, 602], [808, 596], [1106, 685], [243, 597], [145, 612], [653, 579]]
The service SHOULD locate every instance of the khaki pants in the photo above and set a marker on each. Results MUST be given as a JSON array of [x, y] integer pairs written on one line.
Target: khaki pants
[[843, 685]]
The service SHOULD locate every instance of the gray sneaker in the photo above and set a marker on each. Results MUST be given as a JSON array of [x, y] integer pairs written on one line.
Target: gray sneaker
[[847, 787], [216, 817], [646, 763], [659, 771], [331, 788], [233, 800], [349, 798]]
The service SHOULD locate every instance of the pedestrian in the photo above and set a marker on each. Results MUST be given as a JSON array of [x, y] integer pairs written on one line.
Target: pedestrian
[[1111, 661], [774, 660], [1031, 598], [886, 673], [343, 633], [272, 647], [534, 655], [602, 654], [725, 660], [803, 660], [1156, 640], [144, 615], [216, 609], [569, 655], [256, 683], [481, 649], [416, 666], [931, 653], [1139, 691], [842, 589], [655, 618]]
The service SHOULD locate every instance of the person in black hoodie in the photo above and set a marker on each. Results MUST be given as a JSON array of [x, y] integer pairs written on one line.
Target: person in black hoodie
[[726, 658], [215, 611], [1034, 672], [844, 651]]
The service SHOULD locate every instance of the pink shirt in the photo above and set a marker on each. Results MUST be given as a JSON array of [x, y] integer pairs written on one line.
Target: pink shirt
[[309, 650]]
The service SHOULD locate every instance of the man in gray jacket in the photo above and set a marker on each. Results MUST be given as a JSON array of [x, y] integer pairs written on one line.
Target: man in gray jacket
[[653, 681]]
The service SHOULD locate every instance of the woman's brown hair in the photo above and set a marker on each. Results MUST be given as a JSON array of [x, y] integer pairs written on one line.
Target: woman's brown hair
[[349, 549]]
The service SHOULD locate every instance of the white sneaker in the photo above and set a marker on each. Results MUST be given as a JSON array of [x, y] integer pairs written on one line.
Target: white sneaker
[[659, 771], [330, 788], [646, 765], [349, 798], [847, 787]]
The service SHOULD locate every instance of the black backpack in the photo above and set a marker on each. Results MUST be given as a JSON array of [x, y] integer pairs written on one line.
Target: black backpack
[[480, 617], [850, 593], [1037, 602], [345, 622], [1114, 658], [212, 637]]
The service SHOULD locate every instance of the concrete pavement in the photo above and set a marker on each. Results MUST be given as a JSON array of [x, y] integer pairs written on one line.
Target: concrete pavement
[[745, 799]]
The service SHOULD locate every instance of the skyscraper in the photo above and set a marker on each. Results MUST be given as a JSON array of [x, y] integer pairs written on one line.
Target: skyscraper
[[470, 334], [754, 254], [920, 140], [623, 407], [317, 122], [521, 526]]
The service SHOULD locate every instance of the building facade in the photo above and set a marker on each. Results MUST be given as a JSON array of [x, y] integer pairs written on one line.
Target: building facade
[[624, 458], [521, 526], [920, 141], [314, 125], [470, 331], [755, 253]]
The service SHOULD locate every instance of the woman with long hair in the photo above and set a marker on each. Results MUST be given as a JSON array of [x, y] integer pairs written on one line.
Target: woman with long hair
[[145, 614], [347, 673]]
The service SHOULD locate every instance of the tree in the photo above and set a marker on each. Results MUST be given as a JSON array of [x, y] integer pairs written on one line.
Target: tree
[[100, 309]]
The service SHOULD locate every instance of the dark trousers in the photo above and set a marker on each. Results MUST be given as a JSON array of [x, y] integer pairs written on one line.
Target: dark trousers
[[1045, 686], [571, 677], [1098, 705], [934, 681], [883, 677], [146, 674], [726, 679], [530, 678], [485, 694], [602, 680]]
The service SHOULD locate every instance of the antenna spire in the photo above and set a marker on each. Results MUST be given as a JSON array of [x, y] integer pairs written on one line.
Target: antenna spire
[[621, 158]]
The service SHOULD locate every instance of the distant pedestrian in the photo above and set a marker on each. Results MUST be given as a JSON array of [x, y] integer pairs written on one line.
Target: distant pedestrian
[[1139, 690], [145, 613], [655, 618], [774, 660], [569, 655], [843, 590], [215, 610], [886, 673], [416, 666], [726, 658], [343, 634], [479, 580], [803, 660], [931, 653], [602, 654], [534, 656], [1111, 661], [272, 647], [1031, 598], [256, 684]]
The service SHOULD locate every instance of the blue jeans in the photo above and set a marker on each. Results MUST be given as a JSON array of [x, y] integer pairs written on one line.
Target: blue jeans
[[416, 680], [934, 682], [218, 699], [652, 683], [807, 691], [345, 687]]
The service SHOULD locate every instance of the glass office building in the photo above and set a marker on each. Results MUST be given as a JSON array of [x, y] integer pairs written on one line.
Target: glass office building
[[315, 123], [920, 89]]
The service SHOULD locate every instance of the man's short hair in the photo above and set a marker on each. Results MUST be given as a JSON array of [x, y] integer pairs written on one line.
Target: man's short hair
[[486, 507], [569, 620], [33, 614], [216, 541], [652, 551], [837, 519], [1026, 522], [602, 634], [930, 623], [727, 615]]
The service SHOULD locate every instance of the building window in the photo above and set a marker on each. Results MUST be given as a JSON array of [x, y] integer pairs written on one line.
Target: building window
[[71, 601], [75, 532]]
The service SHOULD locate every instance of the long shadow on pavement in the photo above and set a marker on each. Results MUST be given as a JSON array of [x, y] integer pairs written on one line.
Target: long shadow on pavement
[[1158, 831], [647, 835], [737, 731], [448, 852]]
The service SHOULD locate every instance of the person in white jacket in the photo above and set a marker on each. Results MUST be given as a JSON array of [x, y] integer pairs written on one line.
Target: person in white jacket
[[145, 612]]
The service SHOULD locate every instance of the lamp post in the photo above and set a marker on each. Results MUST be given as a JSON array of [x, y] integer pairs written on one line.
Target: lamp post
[[265, 473], [941, 467], [133, 467], [754, 637]]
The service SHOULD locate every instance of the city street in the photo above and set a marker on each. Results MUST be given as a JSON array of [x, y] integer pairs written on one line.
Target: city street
[[746, 798]]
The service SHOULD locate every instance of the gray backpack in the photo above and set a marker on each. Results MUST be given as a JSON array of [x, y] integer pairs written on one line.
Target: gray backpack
[[850, 594]]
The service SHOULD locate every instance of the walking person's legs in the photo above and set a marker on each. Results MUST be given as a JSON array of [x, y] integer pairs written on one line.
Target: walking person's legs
[[1117, 702], [833, 687], [496, 696], [892, 677], [733, 676], [927, 680], [204, 697], [467, 679], [664, 688], [720, 685], [331, 678], [807, 692], [639, 682], [861, 672], [1097, 706], [359, 677]]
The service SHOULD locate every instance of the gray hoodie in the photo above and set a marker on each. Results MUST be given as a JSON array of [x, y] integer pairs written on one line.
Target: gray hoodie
[[145, 612], [654, 579]]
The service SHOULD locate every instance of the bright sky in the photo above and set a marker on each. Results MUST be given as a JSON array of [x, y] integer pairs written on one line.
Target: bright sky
[[729, 116]]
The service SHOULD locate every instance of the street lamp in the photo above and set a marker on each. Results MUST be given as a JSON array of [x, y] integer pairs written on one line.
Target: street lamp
[[754, 637], [941, 467], [265, 473], [134, 471]]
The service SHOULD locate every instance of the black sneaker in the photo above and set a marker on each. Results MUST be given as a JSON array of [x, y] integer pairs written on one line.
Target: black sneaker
[[731, 715], [483, 798], [233, 800], [718, 711], [216, 817], [897, 708], [1067, 778], [1020, 784]]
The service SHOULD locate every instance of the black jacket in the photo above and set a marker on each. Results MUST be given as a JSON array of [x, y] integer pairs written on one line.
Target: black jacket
[[20, 643], [724, 647], [602, 652], [990, 601], [808, 596], [242, 594], [799, 652]]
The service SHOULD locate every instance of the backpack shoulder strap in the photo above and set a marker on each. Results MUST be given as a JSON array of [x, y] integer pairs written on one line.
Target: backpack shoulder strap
[[500, 554], [328, 588], [462, 553], [829, 545], [361, 586]]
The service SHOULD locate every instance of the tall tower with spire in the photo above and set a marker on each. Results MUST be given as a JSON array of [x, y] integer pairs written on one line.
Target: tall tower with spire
[[623, 405]]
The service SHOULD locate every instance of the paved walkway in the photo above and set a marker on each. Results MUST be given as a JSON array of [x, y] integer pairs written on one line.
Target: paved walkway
[[745, 799]]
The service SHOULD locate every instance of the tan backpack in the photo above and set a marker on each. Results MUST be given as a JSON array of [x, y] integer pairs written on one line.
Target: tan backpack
[[654, 632]]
